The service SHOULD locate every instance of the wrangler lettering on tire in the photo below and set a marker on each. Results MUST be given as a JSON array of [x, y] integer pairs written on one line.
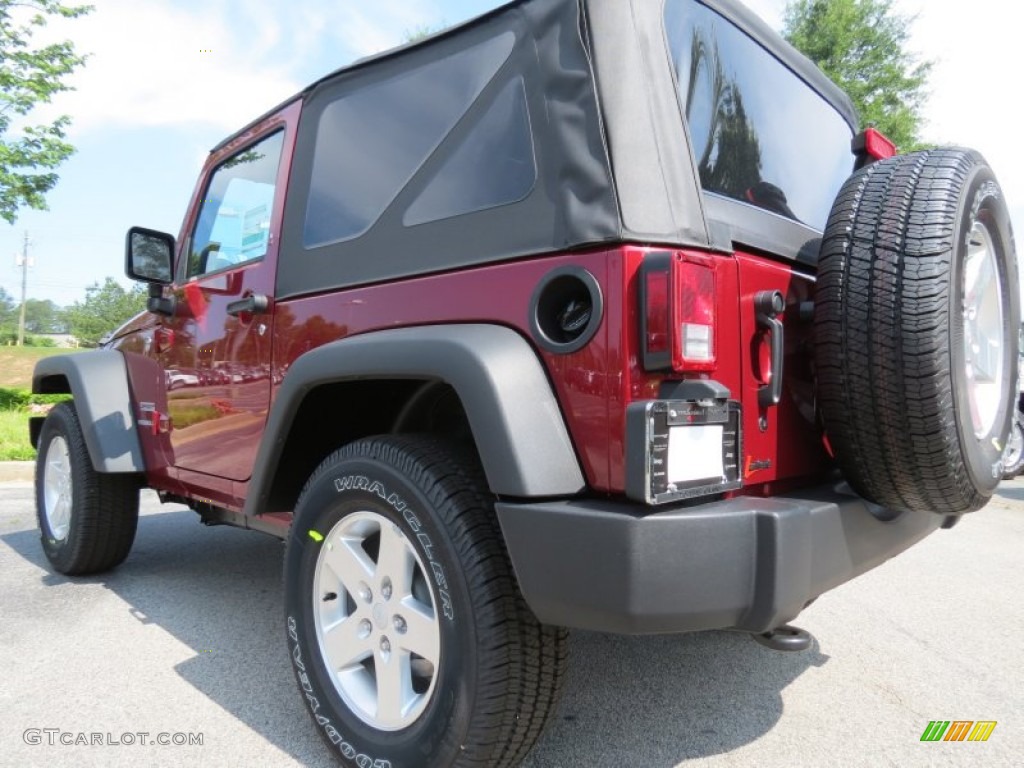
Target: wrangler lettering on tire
[[916, 312], [409, 638]]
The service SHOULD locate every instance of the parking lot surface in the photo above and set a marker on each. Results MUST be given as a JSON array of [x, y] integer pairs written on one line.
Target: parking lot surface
[[187, 638]]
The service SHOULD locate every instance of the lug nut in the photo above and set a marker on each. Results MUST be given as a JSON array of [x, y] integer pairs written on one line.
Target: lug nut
[[385, 588], [400, 625], [365, 628], [385, 645], [365, 594]]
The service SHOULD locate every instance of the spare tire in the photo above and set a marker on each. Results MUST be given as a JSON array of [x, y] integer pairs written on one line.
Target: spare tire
[[916, 310]]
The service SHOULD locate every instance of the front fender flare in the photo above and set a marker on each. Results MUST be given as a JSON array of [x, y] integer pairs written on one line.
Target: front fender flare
[[98, 382], [514, 417]]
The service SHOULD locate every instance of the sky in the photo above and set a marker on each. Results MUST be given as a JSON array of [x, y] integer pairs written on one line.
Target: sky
[[166, 80]]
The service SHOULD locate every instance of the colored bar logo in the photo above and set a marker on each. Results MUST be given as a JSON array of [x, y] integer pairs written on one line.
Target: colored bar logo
[[958, 730]]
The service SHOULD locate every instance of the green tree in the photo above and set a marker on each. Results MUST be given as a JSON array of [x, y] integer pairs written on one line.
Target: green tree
[[861, 45], [43, 316], [106, 308], [30, 76], [8, 311]]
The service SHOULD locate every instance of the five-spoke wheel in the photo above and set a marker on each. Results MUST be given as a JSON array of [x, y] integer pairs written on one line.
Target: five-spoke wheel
[[376, 620]]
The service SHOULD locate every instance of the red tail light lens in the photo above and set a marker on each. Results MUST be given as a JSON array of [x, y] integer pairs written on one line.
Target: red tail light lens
[[658, 329], [694, 302], [656, 311], [677, 312]]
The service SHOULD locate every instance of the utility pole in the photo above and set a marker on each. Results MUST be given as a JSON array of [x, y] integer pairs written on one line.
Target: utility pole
[[24, 289]]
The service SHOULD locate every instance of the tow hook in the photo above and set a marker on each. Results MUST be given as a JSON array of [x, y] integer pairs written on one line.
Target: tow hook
[[785, 638]]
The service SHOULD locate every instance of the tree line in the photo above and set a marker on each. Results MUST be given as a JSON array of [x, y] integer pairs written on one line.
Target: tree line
[[105, 307]]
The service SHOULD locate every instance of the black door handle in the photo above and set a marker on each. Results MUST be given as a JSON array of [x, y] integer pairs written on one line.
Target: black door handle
[[256, 303], [768, 305]]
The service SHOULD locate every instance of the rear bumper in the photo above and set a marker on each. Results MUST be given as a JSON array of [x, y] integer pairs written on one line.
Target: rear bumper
[[747, 563]]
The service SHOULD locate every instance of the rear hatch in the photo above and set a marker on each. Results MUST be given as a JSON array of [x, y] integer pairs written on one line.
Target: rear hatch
[[771, 152]]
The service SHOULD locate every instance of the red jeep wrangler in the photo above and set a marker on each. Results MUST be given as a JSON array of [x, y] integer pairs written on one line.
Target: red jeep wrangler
[[582, 314]]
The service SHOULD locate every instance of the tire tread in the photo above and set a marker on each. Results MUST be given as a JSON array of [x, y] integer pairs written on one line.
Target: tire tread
[[882, 332], [105, 507], [520, 683]]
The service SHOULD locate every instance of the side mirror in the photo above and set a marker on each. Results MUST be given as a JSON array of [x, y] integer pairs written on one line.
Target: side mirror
[[149, 256]]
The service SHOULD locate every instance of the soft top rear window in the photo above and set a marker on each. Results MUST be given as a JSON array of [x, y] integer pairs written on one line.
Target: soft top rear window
[[760, 134]]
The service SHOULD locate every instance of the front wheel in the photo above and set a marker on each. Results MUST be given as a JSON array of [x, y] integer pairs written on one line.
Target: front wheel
[[87, 519], [409, 639]]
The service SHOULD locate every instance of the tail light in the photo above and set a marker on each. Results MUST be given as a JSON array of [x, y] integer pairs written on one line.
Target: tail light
[[693, 303], [655, 311], [677, 312]]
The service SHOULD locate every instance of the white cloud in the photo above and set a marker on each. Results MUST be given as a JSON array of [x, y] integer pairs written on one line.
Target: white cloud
[[219, 64], [147, 67]]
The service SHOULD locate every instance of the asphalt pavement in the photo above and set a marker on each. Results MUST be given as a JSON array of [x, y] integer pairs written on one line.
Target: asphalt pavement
[[185, 641]]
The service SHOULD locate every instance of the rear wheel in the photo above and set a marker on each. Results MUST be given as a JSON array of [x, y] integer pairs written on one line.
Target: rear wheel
[[410, 641], [87, 519], [916, 312]]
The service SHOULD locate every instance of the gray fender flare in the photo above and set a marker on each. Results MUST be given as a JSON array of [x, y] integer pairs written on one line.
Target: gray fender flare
[[513, 414], [98, 381]]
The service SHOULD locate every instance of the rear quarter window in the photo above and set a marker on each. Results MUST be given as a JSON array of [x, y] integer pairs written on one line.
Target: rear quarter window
[[493, 164], [760, 134], [371, 141]]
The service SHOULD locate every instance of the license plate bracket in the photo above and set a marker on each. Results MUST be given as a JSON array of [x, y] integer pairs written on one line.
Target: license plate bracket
[[682, 449]]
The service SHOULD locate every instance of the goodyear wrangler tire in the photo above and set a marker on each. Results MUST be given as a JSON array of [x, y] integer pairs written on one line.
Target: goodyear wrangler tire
[[916, 311], [409, 639], [87, 519]]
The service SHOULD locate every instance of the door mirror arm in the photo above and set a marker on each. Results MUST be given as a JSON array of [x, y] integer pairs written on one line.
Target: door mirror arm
[[159, 304]]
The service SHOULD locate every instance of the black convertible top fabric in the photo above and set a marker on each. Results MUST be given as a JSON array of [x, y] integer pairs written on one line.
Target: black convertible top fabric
[[612, 153]]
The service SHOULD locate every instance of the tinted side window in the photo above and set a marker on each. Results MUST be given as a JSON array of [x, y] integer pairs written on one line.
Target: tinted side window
[[372, 140], [494, 165], [760, 134], [233, 226]]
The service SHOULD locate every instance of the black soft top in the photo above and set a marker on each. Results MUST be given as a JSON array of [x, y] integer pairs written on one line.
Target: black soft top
[[613, 157]]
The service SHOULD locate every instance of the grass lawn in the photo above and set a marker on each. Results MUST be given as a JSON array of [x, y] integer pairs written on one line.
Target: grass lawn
[[16, 364], [14, 444]]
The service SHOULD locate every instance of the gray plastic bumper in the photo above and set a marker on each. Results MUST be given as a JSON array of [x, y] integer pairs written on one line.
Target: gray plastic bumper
[[747, 563]]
